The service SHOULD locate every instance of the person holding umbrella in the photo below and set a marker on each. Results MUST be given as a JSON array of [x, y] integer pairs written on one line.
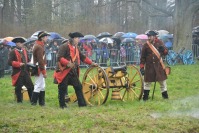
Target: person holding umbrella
[[18, 59], [67, 70], [151, 64]]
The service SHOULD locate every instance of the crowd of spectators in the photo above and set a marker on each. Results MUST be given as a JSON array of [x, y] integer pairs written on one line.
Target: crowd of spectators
[[104, 53]]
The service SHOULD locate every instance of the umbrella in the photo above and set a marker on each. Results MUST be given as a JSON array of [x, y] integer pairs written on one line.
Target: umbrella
[[89, 37], [54, 35], [196, 28], [103, 34], [165, 37], [129, 35], [8, 39], [106, 40], [170, 35], [128, 40], [12, 44], [30, 40], [162, 32], [35, 35], [118, 34], [142, 37]]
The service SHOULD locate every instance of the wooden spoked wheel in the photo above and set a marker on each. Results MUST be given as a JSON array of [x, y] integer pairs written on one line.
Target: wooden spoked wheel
[[133, 89], [95, 86]]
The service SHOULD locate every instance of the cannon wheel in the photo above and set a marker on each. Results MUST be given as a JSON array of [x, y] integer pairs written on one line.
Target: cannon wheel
[[171, 58], [188, 57], [95, 86], [134, 85]]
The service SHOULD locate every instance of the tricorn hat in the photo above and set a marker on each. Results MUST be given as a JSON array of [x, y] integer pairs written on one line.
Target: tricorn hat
[[19, 39], [42, 34], [151, 33], [75, 34]]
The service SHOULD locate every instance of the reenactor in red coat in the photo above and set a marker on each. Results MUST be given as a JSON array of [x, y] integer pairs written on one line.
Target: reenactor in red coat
[[18, 59], [67, 71], [151, 66]]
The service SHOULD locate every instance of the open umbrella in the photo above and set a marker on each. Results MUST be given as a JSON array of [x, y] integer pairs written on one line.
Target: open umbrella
[[11, 44], [142, 37], [8, 39], [35, 35], [196, 28], [128, 40], [106, 40], [54, 35], [118, 34], [129, 35], [103, 34], [89, 37], [162, 32], [165, 37], [30, 40]]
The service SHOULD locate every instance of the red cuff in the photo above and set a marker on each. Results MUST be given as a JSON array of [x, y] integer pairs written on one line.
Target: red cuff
[[141, 65], [64, 61], [16, 64], [88, 61], [43, 72]]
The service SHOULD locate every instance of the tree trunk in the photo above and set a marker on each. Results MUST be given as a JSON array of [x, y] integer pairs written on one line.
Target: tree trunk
[[12, 11], [184, 12]]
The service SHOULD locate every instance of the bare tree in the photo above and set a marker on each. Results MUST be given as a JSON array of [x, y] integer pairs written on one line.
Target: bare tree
[[184, 13]]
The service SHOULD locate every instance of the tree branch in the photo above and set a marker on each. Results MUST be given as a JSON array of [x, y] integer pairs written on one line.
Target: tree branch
[[157, 8]]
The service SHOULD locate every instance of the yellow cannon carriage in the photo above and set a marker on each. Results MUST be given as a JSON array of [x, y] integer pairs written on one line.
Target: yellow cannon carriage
[[125, 81]]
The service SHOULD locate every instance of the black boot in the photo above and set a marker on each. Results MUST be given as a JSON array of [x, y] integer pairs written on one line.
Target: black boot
[[165, 95], [80, 97], [42, 98], [34, 99], [146, 95], [67, 98], [61, 97], [19, 95], [30, 90]]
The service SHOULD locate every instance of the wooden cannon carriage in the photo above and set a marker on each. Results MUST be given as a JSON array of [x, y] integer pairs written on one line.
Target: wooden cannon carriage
[[125, 81]]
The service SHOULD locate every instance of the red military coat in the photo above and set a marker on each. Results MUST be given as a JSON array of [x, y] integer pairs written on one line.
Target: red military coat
[[67, 52], [14, 61], [153, 68]]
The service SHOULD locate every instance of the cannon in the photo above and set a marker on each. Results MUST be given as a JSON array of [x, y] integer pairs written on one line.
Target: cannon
[[187, 57], [125, 82]]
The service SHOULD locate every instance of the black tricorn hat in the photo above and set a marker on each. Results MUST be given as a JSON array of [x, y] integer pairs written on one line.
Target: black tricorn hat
[[75, 34], [42, 34], [19, 39], [151, 33]]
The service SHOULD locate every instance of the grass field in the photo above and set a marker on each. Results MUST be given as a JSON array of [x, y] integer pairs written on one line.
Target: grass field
[[179, 114]]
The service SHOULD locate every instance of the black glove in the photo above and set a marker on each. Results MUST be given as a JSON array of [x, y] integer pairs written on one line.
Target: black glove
[[161, 49], [142, 71]]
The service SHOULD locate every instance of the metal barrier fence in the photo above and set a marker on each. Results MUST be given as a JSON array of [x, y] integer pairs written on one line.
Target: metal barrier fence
[[107, 57]]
